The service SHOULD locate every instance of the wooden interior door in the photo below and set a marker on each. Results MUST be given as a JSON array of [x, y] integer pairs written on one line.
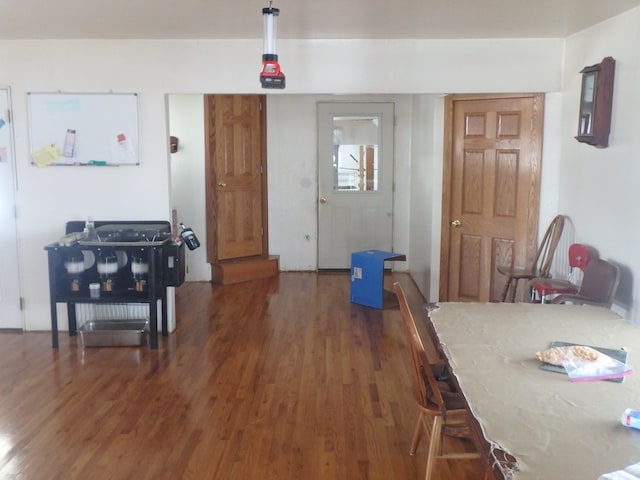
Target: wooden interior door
[[491, 192], [235, 177]]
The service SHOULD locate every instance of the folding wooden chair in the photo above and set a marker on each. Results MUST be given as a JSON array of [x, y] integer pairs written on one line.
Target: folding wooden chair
[[541, 265], [442, 408]]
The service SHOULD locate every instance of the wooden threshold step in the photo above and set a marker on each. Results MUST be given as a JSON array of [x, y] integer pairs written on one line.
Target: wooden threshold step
[[239, 270]]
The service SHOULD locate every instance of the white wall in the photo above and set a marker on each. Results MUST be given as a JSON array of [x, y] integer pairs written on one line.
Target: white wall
[[47, 198], [598, 187], [292, 175], [422, 193], [186, 121]]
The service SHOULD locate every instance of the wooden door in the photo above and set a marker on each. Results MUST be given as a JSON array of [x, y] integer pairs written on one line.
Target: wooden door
[[235, 176], [491, 192]]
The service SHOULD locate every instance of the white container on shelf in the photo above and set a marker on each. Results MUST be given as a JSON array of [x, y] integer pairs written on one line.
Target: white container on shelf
[[94, 290]]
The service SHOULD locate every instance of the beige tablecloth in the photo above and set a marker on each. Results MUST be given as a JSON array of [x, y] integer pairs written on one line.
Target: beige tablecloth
[[555, 428]]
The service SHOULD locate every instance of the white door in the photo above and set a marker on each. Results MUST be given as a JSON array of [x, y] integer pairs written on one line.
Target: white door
[[355, 180], [10, 315]]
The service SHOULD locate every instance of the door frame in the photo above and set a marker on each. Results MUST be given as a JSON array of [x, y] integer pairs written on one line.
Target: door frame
[[11, 294], [533, 198]]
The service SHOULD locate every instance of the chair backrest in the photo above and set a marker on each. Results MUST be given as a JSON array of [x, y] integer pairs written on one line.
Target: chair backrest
[[548, 246], [425, 383], [579, 256], [600, 282]]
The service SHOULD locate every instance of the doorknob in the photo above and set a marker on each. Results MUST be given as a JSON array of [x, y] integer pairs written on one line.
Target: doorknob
[[323, 200], [222, 184], [456, 223]]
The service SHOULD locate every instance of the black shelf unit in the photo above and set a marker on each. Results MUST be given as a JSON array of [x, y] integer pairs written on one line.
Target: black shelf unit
[[165, 268]]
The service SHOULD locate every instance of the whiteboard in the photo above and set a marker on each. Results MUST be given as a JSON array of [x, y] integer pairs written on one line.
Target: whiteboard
[[83, 128]]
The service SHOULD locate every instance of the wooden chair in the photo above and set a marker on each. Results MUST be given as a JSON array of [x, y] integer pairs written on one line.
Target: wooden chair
[[598, 287], [541, 265], [442, 408], [541, 288]]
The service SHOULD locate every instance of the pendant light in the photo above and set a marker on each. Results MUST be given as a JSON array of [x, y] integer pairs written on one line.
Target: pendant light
[[271, 76]]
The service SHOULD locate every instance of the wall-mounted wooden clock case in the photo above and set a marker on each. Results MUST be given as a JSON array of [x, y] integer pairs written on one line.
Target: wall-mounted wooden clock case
[[596, 98]]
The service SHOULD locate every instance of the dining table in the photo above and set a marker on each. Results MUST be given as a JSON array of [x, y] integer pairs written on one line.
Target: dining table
[[534, 423]]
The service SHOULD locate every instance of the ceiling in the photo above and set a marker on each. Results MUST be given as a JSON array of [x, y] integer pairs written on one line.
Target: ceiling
[[303, 19]]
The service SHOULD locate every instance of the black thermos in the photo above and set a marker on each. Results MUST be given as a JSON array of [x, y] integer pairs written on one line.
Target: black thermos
[[188, 237]]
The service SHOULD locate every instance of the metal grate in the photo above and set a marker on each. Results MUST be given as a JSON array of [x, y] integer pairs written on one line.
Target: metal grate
[[89, 312]]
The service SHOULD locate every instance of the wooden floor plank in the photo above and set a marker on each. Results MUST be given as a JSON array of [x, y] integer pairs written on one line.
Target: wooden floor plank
[[278, 379]]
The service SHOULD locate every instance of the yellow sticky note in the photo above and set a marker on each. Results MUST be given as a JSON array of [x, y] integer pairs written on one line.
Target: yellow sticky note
[[46, 155]]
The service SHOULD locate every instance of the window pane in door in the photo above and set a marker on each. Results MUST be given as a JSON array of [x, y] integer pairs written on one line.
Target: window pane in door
[[355, 153]]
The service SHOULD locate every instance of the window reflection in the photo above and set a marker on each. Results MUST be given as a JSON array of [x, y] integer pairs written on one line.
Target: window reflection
[[355, 153]]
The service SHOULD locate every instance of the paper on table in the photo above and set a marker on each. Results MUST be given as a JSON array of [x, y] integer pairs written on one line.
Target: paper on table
[[632, 472]]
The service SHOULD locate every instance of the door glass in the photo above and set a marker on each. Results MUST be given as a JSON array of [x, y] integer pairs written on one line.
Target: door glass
[[355, 153]]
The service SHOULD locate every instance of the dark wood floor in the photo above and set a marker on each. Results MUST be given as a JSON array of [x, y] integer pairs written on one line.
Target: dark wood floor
[[276, 379]]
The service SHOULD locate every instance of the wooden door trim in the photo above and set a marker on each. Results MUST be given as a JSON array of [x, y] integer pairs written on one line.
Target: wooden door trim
[[265, 193], [534, 197], [447, 159], [210, 179]]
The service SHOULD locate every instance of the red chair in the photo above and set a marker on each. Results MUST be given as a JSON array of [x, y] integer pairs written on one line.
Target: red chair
[[542, 287]]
